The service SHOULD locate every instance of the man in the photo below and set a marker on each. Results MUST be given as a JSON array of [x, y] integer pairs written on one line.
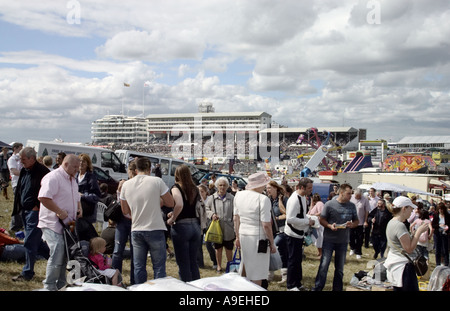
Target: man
[[378, 219], [4, 171], [59, 160], [15, 166], [297, 224], [141, 197], [357, 233], [60, 200], [338, 217], [26, 203], [373, 199]]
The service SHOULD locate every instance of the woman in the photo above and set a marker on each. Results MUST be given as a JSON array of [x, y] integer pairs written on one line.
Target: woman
[[88, 188], [316, 209], [441, 221], [276, 195], [220, 207], [185, 231], [123, 232], [400, 272], [252, 223], [204, 193]]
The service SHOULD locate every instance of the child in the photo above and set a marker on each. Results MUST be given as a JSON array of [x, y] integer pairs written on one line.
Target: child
[[97, 247], [423, 244]]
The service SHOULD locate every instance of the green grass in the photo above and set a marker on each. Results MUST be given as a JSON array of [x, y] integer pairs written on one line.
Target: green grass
[[310, 265]]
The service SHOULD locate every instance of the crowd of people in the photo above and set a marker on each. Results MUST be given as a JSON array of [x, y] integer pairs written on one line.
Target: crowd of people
[[266, 221]]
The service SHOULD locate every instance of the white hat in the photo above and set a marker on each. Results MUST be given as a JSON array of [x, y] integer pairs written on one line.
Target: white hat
[[402, 201], [257, 180]]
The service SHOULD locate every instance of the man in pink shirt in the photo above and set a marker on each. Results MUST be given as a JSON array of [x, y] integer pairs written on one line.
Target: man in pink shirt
[[60, 200]]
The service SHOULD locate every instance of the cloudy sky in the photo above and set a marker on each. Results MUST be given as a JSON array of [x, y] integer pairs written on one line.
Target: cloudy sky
[[381, 65]]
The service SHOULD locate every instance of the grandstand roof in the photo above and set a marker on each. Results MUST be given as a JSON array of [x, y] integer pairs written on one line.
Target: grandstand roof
[[425, 140], [343, 129], [209, 114]]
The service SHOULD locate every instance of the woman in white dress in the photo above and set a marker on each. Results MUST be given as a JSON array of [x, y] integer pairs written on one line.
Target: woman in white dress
[[252, 223]]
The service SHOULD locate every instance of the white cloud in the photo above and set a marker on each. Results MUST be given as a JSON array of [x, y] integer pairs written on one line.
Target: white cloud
[[373, 76]]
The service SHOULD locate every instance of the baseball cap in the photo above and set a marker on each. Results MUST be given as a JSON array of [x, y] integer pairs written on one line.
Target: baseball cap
[[402, 201]]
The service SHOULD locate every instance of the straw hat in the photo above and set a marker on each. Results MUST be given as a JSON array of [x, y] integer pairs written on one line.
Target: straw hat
[[257, 180]]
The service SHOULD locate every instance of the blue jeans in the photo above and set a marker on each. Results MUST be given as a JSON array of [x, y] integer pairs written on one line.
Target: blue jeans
[[155, 242], [33, 241], [340, 253], [281, 243], [122, 234], [441, 243], [186, 238], [55, 275]]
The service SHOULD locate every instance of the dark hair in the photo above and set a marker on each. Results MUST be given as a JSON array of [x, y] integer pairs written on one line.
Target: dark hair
[[143, 164], [345, 187], [183, 177], [303, 182]]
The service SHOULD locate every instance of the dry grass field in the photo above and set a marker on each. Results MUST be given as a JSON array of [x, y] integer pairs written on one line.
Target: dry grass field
[[310, 265]]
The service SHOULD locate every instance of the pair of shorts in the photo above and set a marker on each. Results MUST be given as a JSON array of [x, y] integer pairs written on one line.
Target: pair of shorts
[[227, 244]]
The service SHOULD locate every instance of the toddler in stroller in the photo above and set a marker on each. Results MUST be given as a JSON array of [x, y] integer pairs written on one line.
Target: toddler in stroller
[[79, 266], [97, 247]]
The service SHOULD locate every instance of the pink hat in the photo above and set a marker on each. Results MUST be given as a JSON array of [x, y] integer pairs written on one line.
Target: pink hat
[[257, 180]]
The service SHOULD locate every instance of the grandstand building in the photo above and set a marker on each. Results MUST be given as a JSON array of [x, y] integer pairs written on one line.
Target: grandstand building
[[119, 129], [421, 143], [162, 125]]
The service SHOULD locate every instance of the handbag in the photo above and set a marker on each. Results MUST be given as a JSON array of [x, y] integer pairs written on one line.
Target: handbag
[[214, 233], [113, 211], [233, 265]]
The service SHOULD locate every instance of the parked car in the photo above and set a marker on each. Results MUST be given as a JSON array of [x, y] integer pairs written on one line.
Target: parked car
[[103, 177], [201, 175]]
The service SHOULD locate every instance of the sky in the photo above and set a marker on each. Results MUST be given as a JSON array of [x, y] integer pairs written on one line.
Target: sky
[[381, 65]]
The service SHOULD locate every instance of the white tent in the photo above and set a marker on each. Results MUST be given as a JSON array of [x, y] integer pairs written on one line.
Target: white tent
[[394, 187]]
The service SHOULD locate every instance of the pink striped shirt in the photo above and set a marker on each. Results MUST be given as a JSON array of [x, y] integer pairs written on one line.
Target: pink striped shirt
[[63, 190]]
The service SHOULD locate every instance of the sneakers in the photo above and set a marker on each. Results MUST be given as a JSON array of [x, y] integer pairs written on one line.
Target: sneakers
[[298, 289]]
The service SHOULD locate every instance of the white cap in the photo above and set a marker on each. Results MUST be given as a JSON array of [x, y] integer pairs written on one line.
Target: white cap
[[402, 201]]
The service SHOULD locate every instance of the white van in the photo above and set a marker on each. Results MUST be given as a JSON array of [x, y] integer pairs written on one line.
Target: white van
[[167, 165], [100, 157]]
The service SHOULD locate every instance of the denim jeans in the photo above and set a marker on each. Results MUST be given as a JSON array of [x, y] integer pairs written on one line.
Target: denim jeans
[[143, 242], [33, 241], [441, 243], [281, 243], [122, 234], [340, 252], [186, 238], [55, 276]]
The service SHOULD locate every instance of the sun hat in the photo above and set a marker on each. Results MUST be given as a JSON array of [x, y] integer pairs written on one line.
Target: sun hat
[[402, 201], [257, 180]]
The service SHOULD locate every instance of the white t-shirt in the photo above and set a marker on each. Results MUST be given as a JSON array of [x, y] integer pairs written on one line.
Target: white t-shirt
[[143, 194], [252, 208], [14, 162]]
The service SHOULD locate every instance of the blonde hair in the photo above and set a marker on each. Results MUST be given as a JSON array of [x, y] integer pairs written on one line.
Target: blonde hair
[[95, 244]]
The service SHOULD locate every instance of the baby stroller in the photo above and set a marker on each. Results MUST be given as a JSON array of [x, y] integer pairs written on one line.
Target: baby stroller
[[79, 267]]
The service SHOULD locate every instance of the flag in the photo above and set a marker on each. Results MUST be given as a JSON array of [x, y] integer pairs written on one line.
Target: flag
[[126, 84], [147, 84]]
